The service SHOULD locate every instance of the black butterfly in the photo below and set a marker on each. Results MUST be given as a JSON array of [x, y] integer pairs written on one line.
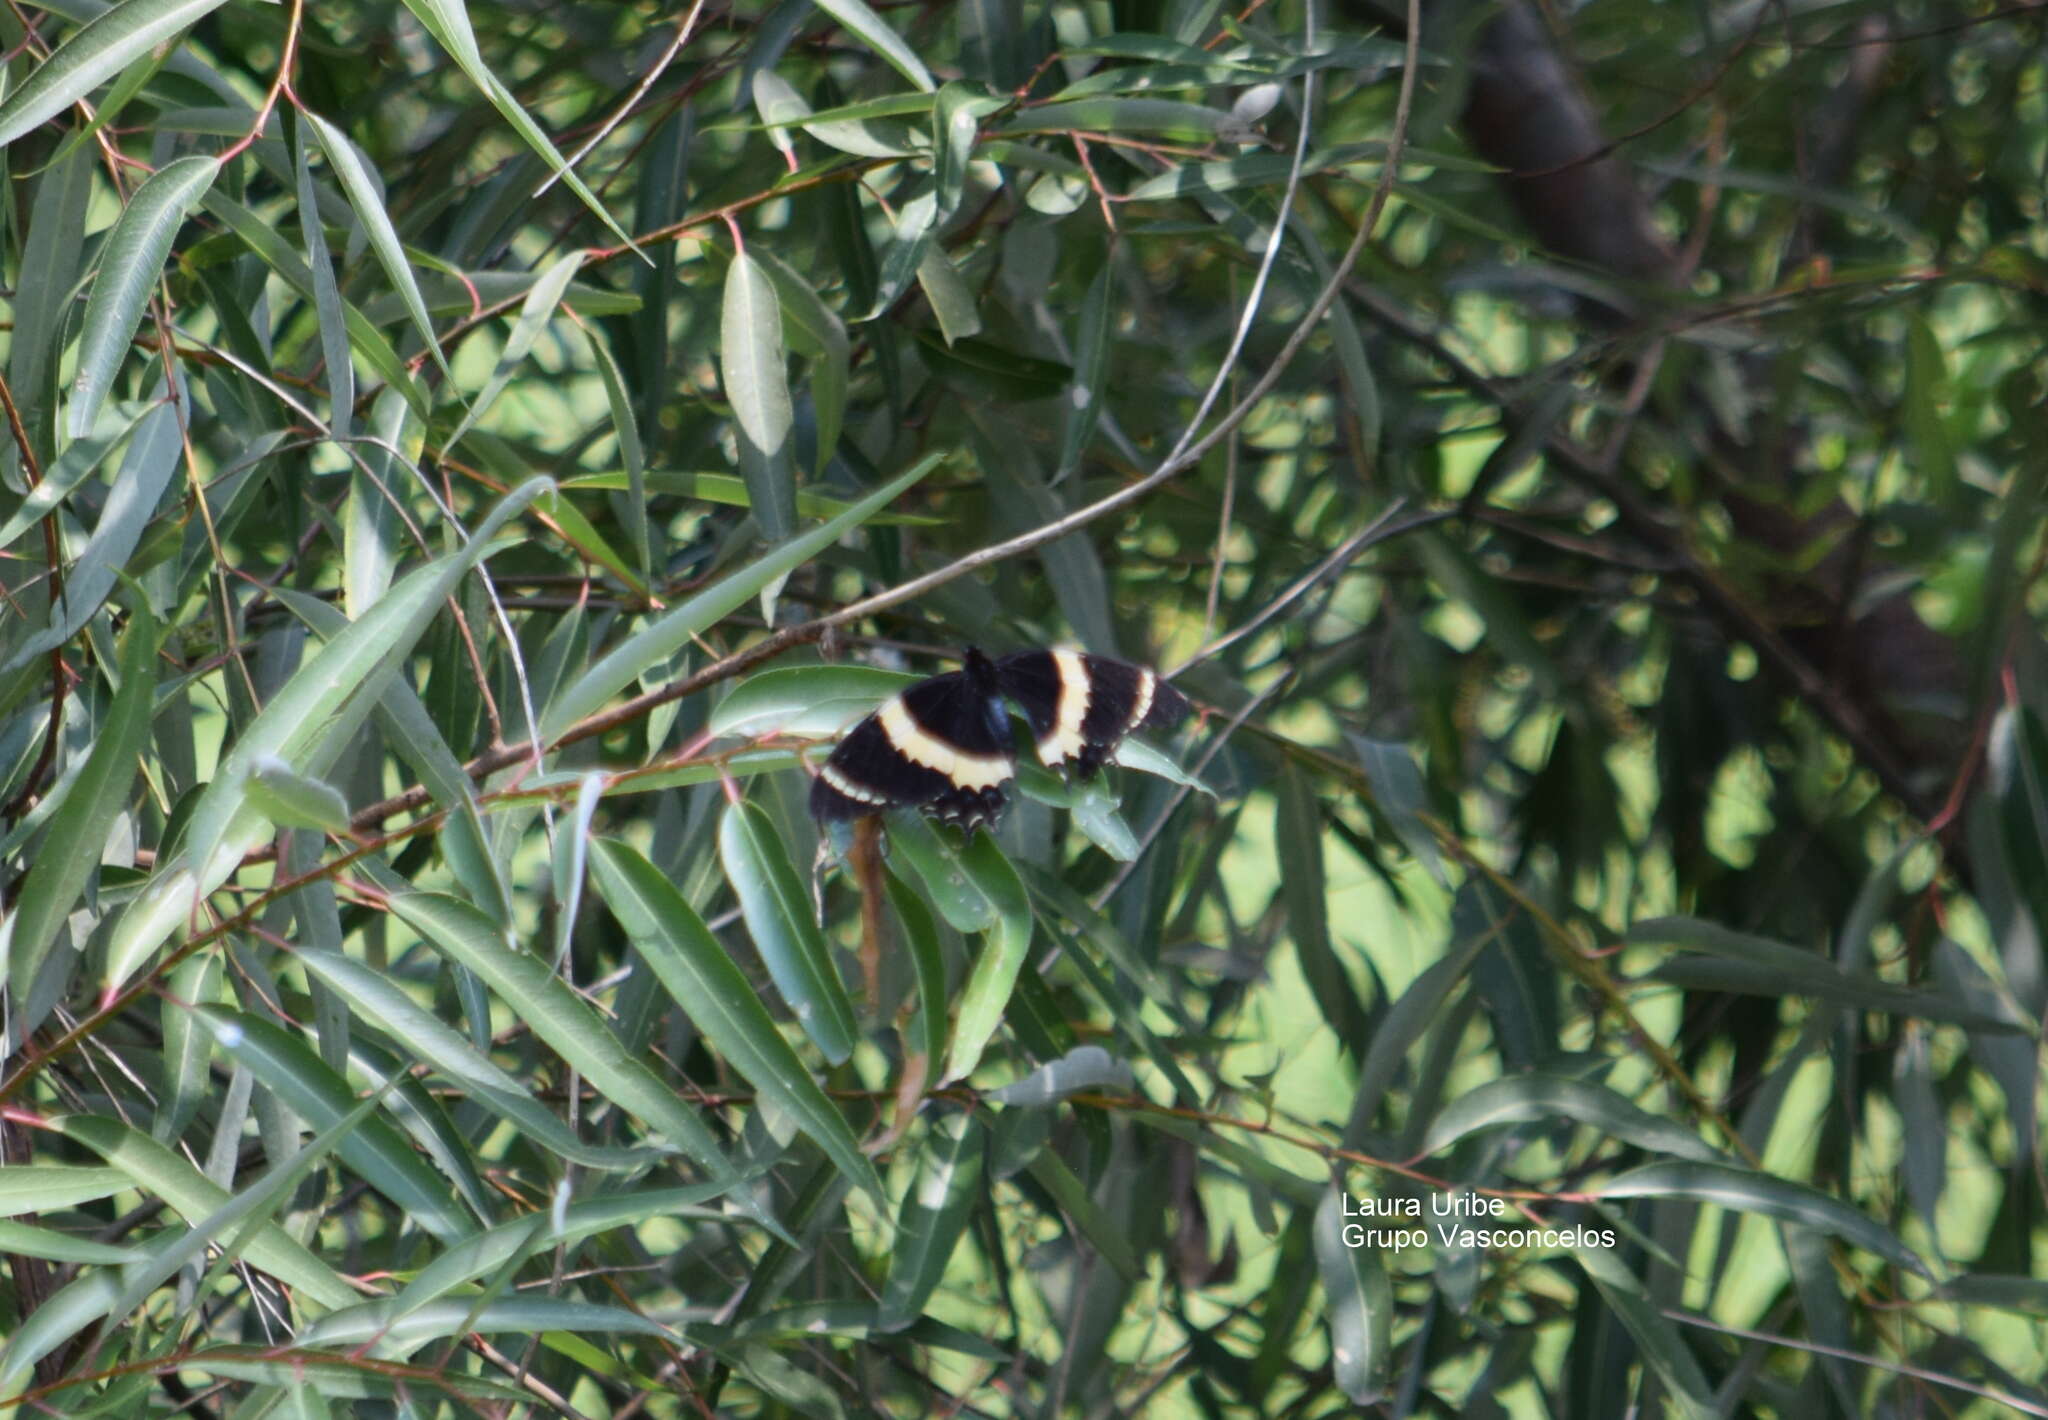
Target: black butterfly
[[943, 745]]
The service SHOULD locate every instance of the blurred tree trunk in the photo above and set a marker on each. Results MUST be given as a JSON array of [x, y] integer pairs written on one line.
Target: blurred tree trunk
[[1526, 113]]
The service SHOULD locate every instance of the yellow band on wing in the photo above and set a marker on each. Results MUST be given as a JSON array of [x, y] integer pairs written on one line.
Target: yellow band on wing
[[914, 743], [1063, 741]]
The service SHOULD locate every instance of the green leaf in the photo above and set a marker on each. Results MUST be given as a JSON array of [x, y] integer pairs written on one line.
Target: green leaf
[[1479, 916], [953, 302], [1135, 753], [360, 186], [702, 979], [1298, 837], [341, 371], [1085, 1215], [130, 263], [1096, 813], [1523, 1099], [956, 120], [373, 1327], [71, 849], [306, 725], [1744, 1191], [534, 314], [1360, 1303], [631, 452], [655, 643], [51, 1188], [778, 916], [1738, 961], [372, 526], [984, 370], [725, 488], [868, 27], [934, 1214], [1085, 1067], [54, 1246], [994, 974], [378, 1000], [779, 105], [757, 384], [1091, 365], [77, 463], [1927, 389], [1659, 1342], [153, 456], [160, 1172], [927, 1034], [962, 899], [102, 49], [817, 332], [292, 800], [803, 700], [1107, 115], [556, 1014], [1398, 793], [365, 338], [373, 1147], [448, 22]]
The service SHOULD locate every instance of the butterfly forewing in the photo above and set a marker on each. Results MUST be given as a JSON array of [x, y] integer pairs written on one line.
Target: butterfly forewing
[[941, 745]]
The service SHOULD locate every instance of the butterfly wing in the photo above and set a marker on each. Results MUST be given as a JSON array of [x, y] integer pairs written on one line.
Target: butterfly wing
[[1080, 707], [941, 745]]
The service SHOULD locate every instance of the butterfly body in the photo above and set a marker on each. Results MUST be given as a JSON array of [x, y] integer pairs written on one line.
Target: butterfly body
[[943, 744]]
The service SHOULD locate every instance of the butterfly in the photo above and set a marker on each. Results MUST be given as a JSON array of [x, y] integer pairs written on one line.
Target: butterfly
[[943, 745]]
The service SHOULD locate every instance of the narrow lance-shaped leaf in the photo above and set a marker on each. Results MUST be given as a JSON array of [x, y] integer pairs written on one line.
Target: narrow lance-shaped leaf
[[757, 384], [668, 634], [159, 1171], [376, 999], [448, 22], [778, 916], [1746, 1191], [705, 982], [376, 1150], [1663, 1349], [534, 314], [102, 49], [71, 850], [632, 452], [994, 975], [133, 259], [874, 32], [952, 299], [779, 105], [1521, 1099], [1360, 1301], [306, 725], [570, 1026], [460, 1316], [803, 700], [153, 456], [341, 371], [1091, 361], [361, 188], [816, 331], [933, 1215], [77, 463]]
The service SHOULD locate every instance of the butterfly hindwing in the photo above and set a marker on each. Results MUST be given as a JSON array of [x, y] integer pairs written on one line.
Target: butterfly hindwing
[[1080, 707], [941, 745]]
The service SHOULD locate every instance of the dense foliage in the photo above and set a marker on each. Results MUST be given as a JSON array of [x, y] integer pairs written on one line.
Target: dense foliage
[[464, 465]]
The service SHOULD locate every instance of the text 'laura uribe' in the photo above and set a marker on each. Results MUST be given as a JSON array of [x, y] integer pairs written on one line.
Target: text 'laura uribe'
[[1453, 1220]]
